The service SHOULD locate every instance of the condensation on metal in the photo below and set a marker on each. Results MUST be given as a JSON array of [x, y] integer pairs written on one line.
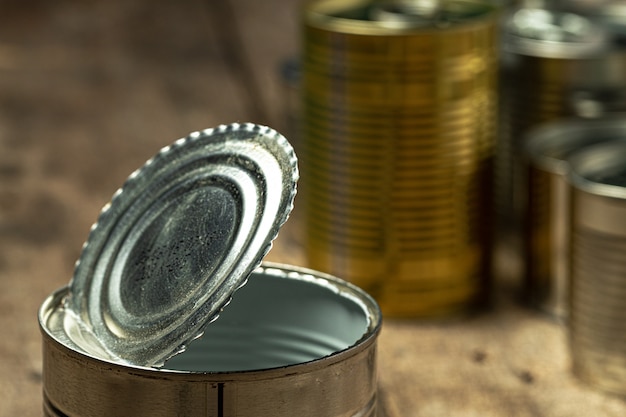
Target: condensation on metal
[[597, 315], [546, 213], [293, 342], [398, 122]]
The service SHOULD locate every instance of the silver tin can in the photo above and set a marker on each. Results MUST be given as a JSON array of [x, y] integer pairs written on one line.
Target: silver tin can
[[554, 65], [546, 213], [293, 342], [598, 266], [158, 320]]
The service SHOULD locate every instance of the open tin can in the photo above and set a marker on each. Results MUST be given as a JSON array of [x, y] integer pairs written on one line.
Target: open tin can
[[598, 266], [137, 332]]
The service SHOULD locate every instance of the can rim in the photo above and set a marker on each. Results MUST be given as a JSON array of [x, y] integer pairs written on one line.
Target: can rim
[[549, 146], [319, 14], [281, 271]]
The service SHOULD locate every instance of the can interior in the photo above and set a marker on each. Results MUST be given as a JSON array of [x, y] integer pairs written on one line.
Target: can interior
[[610, 175], [601, 168], [274, 322], [552, 145]]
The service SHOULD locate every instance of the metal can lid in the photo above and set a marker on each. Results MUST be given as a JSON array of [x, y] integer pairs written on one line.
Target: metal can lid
[[553, 34], [180, 236]]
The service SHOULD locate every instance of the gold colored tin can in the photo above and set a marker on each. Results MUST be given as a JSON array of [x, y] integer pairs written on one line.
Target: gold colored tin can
[[546, 215], [598, 266], [399, 115]]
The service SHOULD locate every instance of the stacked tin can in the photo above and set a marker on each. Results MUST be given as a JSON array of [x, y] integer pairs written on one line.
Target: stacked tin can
[[547, 213], [399, 117], [555, 65], [598, 266]]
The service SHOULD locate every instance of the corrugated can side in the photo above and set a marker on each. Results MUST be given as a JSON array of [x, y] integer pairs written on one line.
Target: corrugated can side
[[398, 144], [555, 65], [293, 342], [546, 212], [598, 266]]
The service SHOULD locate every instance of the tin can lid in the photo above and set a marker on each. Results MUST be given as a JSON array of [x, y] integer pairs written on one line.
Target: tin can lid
[[180, 236]]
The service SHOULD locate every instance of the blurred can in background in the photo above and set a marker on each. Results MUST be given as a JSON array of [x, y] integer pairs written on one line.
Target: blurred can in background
[[555, 65], [610, 13], [546, 213], [399, 119], [598, 266]]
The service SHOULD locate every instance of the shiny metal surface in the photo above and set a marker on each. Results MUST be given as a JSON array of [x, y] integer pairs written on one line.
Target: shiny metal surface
[[555, 65], [552, 34], [398, 142], [542, 79], [598, 266], [178, 239], [404, 14], [293, 342], [546, 214]]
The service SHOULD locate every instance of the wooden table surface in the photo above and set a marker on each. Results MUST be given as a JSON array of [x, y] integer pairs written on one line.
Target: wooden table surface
[[91, 89]]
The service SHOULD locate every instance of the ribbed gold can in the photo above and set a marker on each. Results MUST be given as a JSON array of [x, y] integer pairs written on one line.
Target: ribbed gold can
[[399, 115]]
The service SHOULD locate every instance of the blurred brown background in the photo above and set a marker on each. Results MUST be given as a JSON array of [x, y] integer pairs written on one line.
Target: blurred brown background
[[90, 89]]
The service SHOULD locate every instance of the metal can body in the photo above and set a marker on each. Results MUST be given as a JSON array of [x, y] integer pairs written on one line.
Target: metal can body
[[292, 342], [555, 65], [398, 147], [598, 266], [546, 213]]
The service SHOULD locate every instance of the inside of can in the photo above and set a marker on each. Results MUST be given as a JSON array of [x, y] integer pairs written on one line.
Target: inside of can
[[600, 169], [274, 322], [552, 145]]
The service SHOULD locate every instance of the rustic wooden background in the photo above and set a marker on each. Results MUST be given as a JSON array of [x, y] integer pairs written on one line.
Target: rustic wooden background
[[91, 89]]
